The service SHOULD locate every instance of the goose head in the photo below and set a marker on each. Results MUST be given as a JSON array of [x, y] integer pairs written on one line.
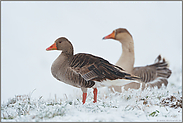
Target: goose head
[[62, 44], [120, 34]]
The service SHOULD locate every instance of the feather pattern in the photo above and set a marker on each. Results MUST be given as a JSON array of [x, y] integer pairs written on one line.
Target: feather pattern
[[151, 72], [97, 69]]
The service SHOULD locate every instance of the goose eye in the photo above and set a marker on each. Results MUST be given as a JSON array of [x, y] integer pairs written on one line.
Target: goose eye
[[59, 41]]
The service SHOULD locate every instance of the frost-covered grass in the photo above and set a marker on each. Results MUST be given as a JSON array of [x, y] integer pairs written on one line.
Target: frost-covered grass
[[163, 104]]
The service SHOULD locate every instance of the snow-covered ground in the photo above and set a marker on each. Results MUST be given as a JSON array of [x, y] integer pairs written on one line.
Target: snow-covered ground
[[162, 105]]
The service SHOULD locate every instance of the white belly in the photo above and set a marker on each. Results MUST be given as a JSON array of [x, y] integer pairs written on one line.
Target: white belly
[[117, 82]]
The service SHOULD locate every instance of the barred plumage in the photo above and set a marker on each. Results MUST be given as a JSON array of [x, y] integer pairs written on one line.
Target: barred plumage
[[97, 69], [151, 72]]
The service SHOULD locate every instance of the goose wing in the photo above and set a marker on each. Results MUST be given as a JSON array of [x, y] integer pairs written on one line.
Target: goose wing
[[151, 72], [96, 68]]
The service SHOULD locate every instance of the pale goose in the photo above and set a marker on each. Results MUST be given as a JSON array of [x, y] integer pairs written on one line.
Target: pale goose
[[154, 75], [85, 70]]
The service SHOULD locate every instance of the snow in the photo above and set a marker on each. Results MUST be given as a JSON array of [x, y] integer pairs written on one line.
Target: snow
[[28, 28], [128, 106]]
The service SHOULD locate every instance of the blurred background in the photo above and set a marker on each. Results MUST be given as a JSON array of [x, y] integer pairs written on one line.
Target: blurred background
[[28, 28]]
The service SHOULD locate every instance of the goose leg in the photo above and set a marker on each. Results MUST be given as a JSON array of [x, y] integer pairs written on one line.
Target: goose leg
[[84, 97], [95, 95], [84, 90]]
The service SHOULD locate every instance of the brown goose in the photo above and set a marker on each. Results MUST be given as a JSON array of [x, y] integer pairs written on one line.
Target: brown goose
[[85, 70], [154, 75]]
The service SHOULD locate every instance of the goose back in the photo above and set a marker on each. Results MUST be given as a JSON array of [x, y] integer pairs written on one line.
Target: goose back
[[96, 68]]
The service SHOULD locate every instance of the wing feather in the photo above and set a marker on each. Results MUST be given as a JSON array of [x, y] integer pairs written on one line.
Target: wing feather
[[97, 69]]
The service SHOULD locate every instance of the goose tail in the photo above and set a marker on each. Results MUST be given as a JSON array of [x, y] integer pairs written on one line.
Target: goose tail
[[162, 67]]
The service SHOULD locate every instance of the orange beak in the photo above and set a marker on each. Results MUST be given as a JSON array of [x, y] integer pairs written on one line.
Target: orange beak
[[52, 47], [110, 36]]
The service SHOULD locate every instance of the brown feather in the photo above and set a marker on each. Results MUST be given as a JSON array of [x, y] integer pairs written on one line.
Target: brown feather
[[96, 69]]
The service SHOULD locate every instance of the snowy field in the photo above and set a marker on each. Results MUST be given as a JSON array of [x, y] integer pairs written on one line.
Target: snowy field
[[161, 105]]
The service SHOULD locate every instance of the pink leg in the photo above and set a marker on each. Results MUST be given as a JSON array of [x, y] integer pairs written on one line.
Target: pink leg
[[95, 95], [84, 97]]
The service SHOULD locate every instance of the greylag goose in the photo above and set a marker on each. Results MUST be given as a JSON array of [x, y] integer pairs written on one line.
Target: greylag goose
[[85, 70], [154, 75]]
